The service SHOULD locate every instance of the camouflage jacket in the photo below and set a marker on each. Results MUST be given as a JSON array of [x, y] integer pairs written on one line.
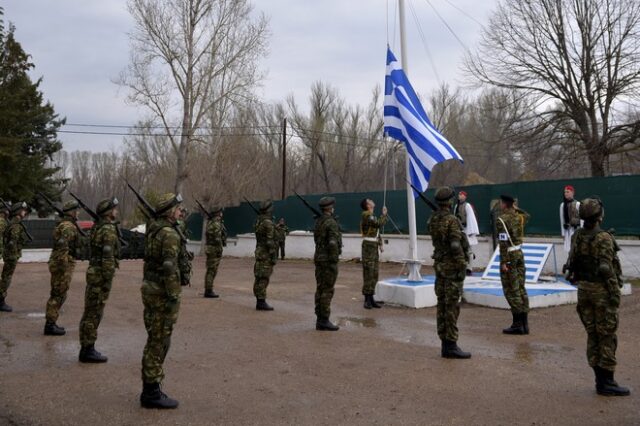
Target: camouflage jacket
[[328, 239], [216, 233], [105, 246], [513, 235], [66, 239], [161, 257], [3, 226], [281, 233], [266, 247], [450, 245], [593, 257], [370, 225], [14, 239]]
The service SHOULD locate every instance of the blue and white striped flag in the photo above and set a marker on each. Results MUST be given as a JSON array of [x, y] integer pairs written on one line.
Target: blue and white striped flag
[[406, 121]]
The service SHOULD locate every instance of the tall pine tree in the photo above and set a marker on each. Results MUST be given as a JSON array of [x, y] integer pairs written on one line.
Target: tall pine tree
[[28, 127]]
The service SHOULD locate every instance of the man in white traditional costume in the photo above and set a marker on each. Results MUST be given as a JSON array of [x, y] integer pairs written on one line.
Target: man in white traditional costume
[[464, 211], [569, 219]]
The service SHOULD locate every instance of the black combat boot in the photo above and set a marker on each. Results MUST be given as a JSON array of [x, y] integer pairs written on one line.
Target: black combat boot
[[367, 301], [153, 397], [374, 303], [525, 322], [323, 324], [262, 305], [450, 349], [606, 385], [210, 294], [516, 327], [89, 354], [4, 307], [51, 329]]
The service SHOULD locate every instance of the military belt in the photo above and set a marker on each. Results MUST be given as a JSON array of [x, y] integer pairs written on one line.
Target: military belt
[[514, 248], [370, 239]]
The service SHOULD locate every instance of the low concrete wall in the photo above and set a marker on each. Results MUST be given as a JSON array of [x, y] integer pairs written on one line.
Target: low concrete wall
[[300, 245]]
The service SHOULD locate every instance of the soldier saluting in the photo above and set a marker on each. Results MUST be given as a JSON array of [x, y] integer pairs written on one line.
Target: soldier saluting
[[216, 239], [370, 231], [595, 267], [328, 240], [15, 235]]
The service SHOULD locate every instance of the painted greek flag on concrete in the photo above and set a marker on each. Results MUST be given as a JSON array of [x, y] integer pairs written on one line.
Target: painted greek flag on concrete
[[406, 121]]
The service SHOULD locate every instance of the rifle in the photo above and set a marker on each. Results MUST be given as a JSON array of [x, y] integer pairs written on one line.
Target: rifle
[[96, 218], [150, 212], [24, 228], [60, 212], [424, 198], [209, 217], [315, 211], [252, 206]]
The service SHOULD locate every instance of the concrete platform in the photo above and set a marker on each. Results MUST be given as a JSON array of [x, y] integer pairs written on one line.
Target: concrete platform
[[413, 294]]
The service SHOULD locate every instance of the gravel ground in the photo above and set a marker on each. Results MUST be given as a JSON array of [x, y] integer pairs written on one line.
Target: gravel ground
[[229, 364]]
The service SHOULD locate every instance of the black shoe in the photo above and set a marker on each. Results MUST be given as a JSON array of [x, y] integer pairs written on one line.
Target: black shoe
[[451, 350], [524, 317], [89, 354], [374, 303], [516, 327], [606, 385], [262, 305], [153, 397], [51, 329], [367, 302], [323, 324], [4, 307], [210, 294]]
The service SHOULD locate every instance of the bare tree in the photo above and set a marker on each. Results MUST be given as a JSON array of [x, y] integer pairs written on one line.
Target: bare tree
[[188, 57], [579, 60]]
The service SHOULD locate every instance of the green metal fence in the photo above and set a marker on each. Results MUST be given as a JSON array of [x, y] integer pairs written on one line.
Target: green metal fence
[[620, 194]]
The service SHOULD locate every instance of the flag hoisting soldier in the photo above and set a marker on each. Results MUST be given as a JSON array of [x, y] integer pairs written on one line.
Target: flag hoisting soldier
[[15, 235], [371, 244], [105, 253], [266, 255], [594, 265], [186, 256], [62, 262], [510, 228], [450, 254], [216, 239], [328, 240], [160, 290]]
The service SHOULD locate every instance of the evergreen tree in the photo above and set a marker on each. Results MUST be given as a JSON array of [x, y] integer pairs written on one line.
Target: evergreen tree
[[28, 127]]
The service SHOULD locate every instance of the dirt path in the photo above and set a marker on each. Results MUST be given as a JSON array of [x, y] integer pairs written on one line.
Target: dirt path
[[229, 364]]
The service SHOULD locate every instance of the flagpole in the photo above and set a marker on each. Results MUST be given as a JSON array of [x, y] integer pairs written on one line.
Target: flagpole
[[413, 264]]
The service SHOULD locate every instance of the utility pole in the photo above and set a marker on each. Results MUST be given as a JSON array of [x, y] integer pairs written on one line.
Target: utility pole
[[284, 158]]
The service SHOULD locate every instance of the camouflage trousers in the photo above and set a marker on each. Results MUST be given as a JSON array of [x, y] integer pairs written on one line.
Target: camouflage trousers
[[513, 283], [448, 288], [160, 315], [262, 271], [7, 274], [370, 258], [598, 310], [95, 297], [281, 249], [61, 273], [214, 255], [326, 275]]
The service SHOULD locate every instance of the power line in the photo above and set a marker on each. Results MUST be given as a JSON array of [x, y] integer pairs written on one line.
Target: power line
[[116, 126]]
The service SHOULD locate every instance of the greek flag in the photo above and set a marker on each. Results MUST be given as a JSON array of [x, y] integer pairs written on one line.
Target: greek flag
[[406, 121]]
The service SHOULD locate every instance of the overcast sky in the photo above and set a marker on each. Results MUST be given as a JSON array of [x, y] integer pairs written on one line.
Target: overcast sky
[[80, 46]]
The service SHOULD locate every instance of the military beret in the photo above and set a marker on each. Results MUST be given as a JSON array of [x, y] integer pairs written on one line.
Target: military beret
[[326, 202], [507, 198], [444, 194], [166, 202], [590, 208], [16, 207], [70, 205], [266, 205], [106, 205]]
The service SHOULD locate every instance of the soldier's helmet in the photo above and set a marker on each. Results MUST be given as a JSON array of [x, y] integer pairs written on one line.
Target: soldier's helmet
[[16, 207], [444, 195], [70, 206], [106, 205], [326, 202], [215, 210], [166, 202], [266, 206], [590, 208]]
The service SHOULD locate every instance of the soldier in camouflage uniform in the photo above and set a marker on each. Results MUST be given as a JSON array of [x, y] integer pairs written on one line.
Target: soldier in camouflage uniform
[[281, 233], [328, 240], [4, 223], [371, 243], [161, 298], [510, 227], [15, 236], [450, 254], [62, 262], [216, 239], [186, 256], [594, 265], [266, 255], [105, 253]]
